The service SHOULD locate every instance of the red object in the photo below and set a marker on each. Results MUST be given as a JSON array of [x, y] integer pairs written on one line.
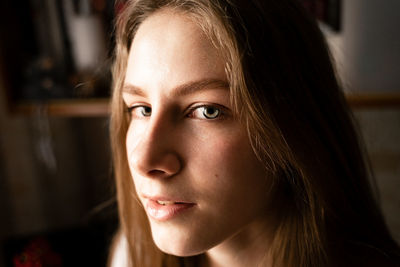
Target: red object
[[119, 7], [38, 253]]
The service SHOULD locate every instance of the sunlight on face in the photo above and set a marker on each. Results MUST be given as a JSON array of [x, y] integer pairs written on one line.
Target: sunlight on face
[[191, 161]]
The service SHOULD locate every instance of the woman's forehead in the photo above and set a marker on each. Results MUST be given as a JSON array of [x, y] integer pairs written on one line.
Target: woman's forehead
[[171, 49]]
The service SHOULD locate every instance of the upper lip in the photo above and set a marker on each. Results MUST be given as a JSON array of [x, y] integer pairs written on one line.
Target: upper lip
[[165, 198]]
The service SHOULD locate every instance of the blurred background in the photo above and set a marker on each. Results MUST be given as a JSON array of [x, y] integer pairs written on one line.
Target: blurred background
[[57, 200], [56, 187]]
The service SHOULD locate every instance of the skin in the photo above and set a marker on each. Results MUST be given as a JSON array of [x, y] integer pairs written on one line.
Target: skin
[[178, 148]]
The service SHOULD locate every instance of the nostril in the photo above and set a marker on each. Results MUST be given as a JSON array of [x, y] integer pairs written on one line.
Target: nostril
[[156, 173], [155, 164]]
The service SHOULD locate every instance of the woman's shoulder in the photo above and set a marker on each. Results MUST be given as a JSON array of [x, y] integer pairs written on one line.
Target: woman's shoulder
[[118, 254]]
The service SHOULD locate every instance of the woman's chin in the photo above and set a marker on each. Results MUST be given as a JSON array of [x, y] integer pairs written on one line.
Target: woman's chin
[[176, 248], [179, 245]]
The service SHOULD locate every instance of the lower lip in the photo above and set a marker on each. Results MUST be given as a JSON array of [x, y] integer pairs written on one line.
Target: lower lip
[[165, 212]]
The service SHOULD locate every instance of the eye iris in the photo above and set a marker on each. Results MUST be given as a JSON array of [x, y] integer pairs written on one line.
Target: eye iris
[[146, 111], [210, 112]]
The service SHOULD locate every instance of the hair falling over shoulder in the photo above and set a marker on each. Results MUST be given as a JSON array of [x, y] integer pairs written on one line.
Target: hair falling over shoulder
[[284, 87]]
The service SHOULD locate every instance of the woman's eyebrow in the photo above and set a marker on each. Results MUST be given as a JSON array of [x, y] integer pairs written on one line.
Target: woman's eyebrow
[[183, 89], [133, 90]]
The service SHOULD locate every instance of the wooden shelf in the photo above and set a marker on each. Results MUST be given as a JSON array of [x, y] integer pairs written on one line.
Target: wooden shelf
[[68, 108], [373, 100]]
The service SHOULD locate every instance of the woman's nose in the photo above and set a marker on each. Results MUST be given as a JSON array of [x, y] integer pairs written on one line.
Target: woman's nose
[[154, 153]]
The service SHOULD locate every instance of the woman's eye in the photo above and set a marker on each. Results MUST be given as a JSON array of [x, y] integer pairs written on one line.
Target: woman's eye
[[207, 112], [140, 111]]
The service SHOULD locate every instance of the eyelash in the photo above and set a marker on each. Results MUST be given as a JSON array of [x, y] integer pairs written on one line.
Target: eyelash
[[191, 110]]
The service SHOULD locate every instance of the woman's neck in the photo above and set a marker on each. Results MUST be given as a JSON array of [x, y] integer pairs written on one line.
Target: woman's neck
[[249, 247]]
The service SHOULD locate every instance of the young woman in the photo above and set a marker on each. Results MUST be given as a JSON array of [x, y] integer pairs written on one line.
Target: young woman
[[232, 143]]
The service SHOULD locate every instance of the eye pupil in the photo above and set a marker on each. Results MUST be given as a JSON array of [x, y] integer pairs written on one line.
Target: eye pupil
[[211, 112], [146, 111]]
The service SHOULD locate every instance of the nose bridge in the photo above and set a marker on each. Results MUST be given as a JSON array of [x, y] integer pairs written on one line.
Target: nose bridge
[[159, 132], [155, 153]]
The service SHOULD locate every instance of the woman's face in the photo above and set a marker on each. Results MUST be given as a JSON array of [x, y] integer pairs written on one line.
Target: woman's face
[[191, 161]]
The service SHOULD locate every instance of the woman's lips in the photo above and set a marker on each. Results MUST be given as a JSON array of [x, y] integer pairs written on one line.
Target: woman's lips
[[162, 210]]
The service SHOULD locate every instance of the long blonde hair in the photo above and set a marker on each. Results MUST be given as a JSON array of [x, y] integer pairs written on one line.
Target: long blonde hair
[[284, 88]]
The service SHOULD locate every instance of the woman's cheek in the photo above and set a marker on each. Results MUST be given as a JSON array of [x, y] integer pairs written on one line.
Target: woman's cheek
[[134, 135], [218, 158]]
